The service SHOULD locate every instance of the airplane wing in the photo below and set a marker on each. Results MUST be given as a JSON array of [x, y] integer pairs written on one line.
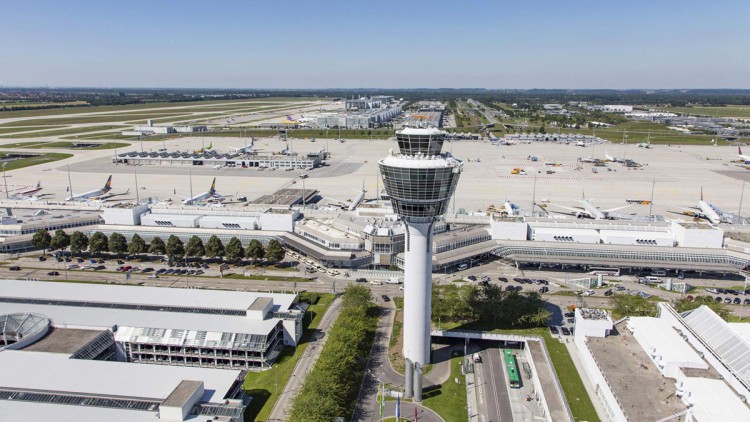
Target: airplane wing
[[616, 209], [571, 209], [690, 212]]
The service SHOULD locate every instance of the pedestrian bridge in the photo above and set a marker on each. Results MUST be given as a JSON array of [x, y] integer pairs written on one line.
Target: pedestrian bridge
[[480, 335]]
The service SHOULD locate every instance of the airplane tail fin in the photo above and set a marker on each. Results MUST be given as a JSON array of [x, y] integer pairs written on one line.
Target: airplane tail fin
[[108, 185], [213, 186], [739, 150], [701, 193], [39, 184]]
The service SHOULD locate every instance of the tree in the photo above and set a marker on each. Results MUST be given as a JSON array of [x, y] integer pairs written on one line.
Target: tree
[[157, 246], [684, 305], [117, 243], [41, 239], [60, 240], [78, 242], [274, 252], [98, 243], [255, 250], [632, 305], [137, 245], [214, 247], [175, 248], [195, 247], [234, 250]]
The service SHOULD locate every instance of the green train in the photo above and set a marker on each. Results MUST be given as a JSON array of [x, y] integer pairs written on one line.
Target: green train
[[512, 367]]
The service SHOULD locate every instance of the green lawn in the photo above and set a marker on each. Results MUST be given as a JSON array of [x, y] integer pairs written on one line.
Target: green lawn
[[578, 399], [265, 386], [449, 400], [638, 131], [719, 111], [68, 131], [4, 130], [32, 161]]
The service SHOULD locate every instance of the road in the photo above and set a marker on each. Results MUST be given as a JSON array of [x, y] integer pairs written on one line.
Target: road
[[379, 370], [305, 363], [494, 402]]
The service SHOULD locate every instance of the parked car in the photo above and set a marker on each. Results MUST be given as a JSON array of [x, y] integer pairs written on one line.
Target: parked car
[[588, 293], [571, 320], [569, 314], [746, 301], [503, 279], [620, 288], [719, 299], [53, 273], [565, 331], [609, 292], [376, 282], [727, 300], [15, 268], [712, 290], [472, 278], [100, 267], [72, 266], [361, 280], [737, 301], [42, 258], [543, 289], [553, 329], [510, 288], [386, 298]]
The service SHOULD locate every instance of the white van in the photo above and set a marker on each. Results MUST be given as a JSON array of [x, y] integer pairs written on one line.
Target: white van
[[658, 273], [462, 267], [652, 279]]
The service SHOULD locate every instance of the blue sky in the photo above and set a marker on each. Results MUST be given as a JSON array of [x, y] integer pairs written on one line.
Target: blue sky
[[378, 44]]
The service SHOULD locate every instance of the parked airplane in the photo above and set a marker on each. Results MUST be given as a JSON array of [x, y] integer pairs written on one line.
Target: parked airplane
[[510, 208], [353, 204], [589, 210], [302, 121], [247, 149], [98, 194], [707, 211], [203, 197], [646, 145], [581, 144], [745, 158], [613, 159], [28, 193]]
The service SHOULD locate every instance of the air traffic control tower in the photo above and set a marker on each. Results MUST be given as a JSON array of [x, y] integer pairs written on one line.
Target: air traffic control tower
[[420, 181]]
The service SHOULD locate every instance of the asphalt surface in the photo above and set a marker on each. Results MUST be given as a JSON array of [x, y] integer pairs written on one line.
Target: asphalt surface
[[305, 363], [494, 402]]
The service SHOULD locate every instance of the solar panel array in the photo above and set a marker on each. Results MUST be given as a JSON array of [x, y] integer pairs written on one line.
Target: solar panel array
[[79, 400], [128, 306]]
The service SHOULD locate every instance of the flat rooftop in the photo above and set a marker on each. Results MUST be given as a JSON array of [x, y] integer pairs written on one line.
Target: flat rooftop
[[63, 340], [629, 372], [107, 306], [40, 371], [286, 197]]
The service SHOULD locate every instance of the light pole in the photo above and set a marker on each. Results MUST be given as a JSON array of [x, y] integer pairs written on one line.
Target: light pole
[[135, 174], [7, 194]]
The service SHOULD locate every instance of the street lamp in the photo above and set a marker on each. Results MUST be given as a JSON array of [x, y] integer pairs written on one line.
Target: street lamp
[[7, 195]]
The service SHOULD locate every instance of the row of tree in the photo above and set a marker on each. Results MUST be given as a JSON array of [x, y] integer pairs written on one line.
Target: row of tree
[[174, 247], [330, 390], [489, 306]]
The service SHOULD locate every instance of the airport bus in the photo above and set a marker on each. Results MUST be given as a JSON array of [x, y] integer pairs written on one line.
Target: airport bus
[[612, 272], [512, 367]]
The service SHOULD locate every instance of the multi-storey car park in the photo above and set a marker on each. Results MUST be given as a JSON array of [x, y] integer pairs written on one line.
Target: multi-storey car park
[[217, 329]]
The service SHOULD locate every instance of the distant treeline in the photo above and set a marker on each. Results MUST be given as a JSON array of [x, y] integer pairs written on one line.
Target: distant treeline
[[114, 96]]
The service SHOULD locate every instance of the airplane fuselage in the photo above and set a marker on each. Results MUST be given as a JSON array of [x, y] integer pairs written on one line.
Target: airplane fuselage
[[710, 212]]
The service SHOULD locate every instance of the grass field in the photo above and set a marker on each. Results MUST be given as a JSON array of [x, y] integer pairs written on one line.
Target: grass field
[[264, 386], [32, 161], [742, 111], [9, 106], [23, 128], [63, 145], [200, 105], [638, 131], [449, 400], [68, 131]]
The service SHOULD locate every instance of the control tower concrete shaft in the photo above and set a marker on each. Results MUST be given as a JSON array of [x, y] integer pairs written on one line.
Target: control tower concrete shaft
[[420, 181]]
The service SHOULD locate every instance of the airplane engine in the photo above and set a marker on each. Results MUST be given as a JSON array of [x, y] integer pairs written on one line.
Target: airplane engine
[[580, 215]]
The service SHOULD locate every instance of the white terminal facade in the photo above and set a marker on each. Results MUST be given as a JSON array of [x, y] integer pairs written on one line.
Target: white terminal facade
[[420, 181]]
